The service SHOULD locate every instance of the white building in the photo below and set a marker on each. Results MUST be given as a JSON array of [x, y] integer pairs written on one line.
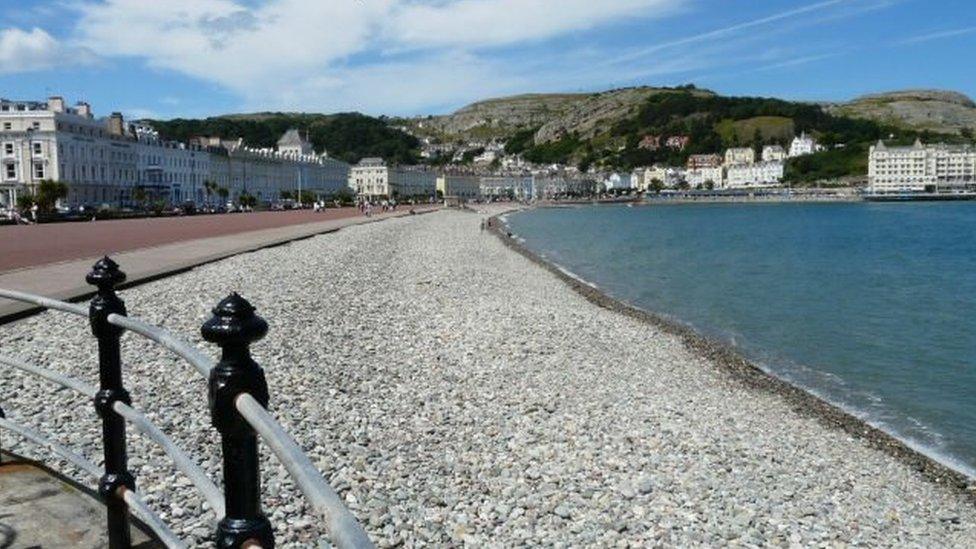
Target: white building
[[705, 177], [668, 176], [106, 162], [51, 141], [760, 174], [773, 153], [802, 145], [921, 168], [620, 182], [373, 179], [465, 187], [519, 187], [739, 155]]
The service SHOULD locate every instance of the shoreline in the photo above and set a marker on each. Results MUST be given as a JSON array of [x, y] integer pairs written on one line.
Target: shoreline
[[750, 374]]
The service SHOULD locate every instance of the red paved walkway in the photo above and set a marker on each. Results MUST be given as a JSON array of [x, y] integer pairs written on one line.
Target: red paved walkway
[[28, 246]]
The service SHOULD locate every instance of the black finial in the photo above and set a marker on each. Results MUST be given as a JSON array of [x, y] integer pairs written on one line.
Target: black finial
[[105, 274], [234, 322]]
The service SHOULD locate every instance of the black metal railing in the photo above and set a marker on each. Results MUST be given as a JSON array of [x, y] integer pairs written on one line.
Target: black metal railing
[[238, 399]]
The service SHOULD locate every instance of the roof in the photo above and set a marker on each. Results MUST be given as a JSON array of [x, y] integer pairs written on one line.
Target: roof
[[291, 138]]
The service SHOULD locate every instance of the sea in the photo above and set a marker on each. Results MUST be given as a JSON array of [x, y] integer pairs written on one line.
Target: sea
[[870, 306]]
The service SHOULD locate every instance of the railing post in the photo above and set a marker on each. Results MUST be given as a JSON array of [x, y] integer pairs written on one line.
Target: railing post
[[234, 327], [105, 275]]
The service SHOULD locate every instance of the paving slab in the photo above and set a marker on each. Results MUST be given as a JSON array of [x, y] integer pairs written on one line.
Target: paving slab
[[38, 508], [66, 280]]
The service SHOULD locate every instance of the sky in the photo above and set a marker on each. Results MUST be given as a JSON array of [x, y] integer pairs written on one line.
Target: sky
[[194, 58]]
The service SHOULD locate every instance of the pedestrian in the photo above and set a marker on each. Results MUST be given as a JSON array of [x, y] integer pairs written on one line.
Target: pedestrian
[[34, 209]]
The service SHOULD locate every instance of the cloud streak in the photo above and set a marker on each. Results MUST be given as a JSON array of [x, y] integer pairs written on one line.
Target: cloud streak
[[938, 35]]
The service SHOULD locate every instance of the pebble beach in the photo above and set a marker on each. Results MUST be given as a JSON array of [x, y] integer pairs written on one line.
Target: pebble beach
[[457, 393]]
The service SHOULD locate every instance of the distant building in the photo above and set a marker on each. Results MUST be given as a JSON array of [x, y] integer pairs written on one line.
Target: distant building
[[678, 142], [803, 145], [465, 187], [519, 187], [650, 142], [761, 174], [921, 168], [619, 182], [667, 176], [773, 153], [739, 155], [705, 177], [373, 179], [704, 161]]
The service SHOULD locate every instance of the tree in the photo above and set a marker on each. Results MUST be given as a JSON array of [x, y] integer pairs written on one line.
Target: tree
[[710, 185], [24, 201], [966, 132], [210, 187], [139, 195], [656, 185], [223, 192], [286, 195], [248, 200], [48, 194]]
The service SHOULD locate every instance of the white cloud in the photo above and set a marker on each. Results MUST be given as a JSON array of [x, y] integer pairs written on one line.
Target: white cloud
[[304, 54], [36, 50], [22, 51]]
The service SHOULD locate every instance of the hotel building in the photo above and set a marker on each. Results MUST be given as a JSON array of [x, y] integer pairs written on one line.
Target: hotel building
[[105, 161], [373, 179], [921, 168]]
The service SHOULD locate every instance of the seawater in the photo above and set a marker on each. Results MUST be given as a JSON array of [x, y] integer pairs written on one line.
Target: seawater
[[869, 306]]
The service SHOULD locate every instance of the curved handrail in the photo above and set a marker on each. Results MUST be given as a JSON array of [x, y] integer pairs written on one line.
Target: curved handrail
[[139, 508], [54, 377], [58, 449], [191, 354], [45, 302], [180, 459], [343, 527]]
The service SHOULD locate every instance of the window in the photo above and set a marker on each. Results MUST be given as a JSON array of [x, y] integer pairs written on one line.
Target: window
[[37, 148], [11, 171], [8, 148], [7, 125], [36, 125], [38, 170]]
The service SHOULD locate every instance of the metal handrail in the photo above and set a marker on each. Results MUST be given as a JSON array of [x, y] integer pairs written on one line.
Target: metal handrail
[[54, 377], [343, 526], [184, 350], [58, 449], [139, 508], [180, 459], [150, 519], [45, 302]]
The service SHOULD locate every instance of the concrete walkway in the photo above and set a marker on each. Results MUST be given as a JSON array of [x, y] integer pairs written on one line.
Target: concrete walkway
[[40, 509], [66, 280]]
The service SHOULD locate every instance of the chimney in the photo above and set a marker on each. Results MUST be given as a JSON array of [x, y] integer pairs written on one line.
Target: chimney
[[116, 124], [55, 104], [84, 109]]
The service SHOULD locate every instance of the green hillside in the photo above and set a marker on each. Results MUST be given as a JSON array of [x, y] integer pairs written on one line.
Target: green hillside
[[346, 136]]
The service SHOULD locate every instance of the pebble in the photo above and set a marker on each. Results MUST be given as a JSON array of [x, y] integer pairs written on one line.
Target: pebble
[[456, 393]]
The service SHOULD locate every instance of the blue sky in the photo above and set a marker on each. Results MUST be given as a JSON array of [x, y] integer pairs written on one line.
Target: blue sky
[[402, 57]]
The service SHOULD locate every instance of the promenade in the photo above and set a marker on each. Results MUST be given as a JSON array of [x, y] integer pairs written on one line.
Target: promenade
[[52, 259]]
